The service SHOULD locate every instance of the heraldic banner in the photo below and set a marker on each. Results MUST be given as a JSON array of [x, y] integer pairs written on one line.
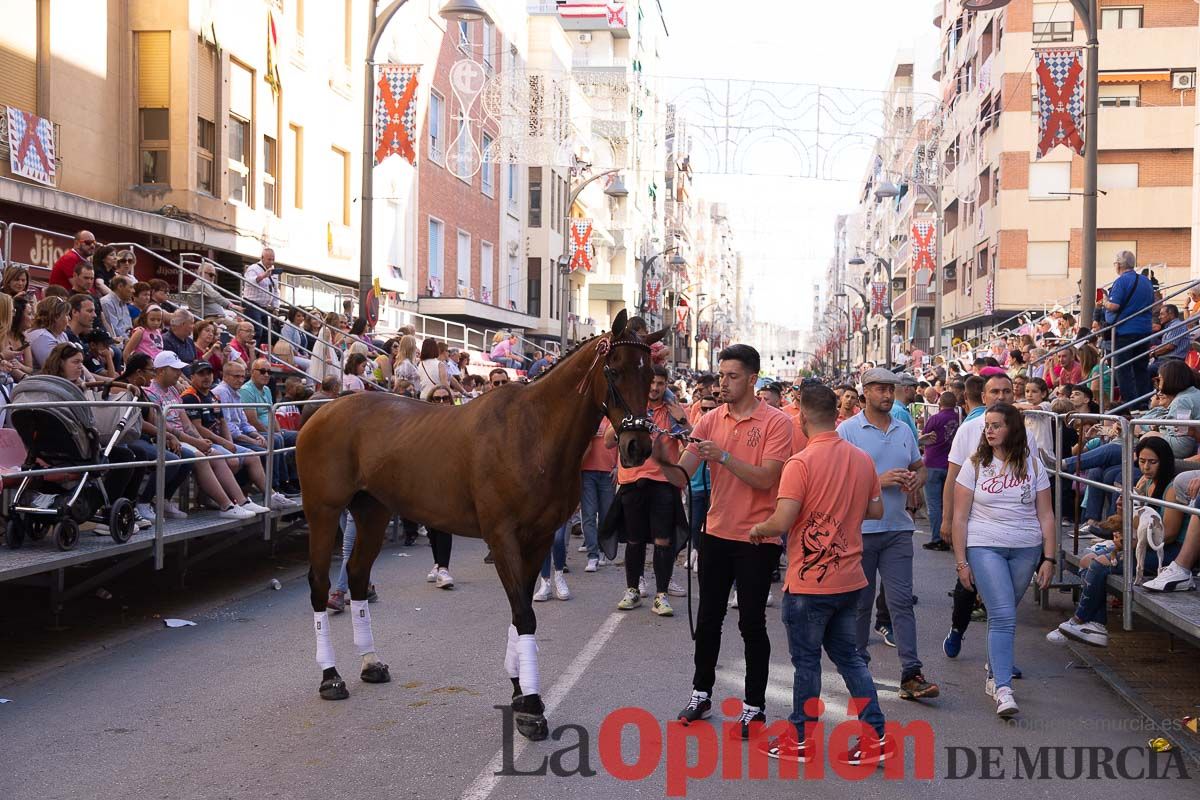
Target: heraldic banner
[[1060, 100], [30, 146], [396, 112], [581, 244], [923, 238]]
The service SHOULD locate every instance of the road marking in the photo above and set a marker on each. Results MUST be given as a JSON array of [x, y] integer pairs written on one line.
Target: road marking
[[483, 786]]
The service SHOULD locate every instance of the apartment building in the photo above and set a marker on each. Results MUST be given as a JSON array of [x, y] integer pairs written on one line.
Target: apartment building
[[1012, 223]]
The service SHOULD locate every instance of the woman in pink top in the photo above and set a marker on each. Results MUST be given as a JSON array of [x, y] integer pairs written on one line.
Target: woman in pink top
[[146, 336]]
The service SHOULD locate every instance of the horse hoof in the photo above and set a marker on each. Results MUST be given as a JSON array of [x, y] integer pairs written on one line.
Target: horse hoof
[[532, 726], [375, 673], [334, 689]]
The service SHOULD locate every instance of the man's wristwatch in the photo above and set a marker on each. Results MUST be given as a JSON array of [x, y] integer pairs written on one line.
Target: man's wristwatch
[[724, 458]]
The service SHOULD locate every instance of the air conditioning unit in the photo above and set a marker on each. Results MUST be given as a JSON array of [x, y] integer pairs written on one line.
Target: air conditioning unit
[[585, 38], [898, 284], [1183, 79], [950, 273]]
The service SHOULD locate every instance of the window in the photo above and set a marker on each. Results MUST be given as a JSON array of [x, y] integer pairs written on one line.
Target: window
[[487, 180], [296, 136], [1046, 32], [508, 289], [486, 260], [206, 118], [241, 133], [535, 197], [462, 259], [1113, 18], [19, 55], [1049, 180], [154, 113], [464, 35], [533, 290], [1047, 259], [1119, 95], [514, 186], [339, 186], [554, 202], [271, 175], [437, 256], [1117, 176], [437, 108], [489, 44]]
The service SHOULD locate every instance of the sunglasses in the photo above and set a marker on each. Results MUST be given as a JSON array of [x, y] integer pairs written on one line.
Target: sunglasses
[[443, 399], [261, 371], [499, 383]]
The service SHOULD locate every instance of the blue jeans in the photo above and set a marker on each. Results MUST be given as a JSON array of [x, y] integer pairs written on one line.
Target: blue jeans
[[558, 550], [889, 554], [594, 502], [1002, 574], [1133, 375], [174, 476], [814, 621], [1093, 605], [935, 482], [349, 534], [1102, 457]]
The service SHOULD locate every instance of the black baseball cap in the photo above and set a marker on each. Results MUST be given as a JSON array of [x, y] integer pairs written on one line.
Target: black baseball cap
[[200, 365]]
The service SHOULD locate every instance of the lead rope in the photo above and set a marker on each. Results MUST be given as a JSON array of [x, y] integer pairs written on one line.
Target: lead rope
[[687, 482]]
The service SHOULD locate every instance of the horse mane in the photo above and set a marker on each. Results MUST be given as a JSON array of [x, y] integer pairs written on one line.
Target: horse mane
[[578, 346]]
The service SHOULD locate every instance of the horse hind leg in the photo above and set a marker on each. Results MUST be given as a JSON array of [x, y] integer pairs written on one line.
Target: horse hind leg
[[322, 533], [371, 519]]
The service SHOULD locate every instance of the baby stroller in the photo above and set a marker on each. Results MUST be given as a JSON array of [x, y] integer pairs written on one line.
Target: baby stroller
[[57, 436]]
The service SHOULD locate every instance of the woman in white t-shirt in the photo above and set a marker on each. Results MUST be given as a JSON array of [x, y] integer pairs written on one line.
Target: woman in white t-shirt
[[1003, 534]]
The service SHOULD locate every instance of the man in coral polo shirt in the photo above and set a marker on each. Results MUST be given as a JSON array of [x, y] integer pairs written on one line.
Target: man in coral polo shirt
[[705, 387], [825, 493], [745, 443]]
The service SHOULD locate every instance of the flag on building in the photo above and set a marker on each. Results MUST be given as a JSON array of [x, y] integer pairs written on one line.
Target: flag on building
[[856, 314], [1060, 100], [396, 112], [923, 238], [878, 297], [681, 313], [30, 146], [272, 76], [653, 295], [581, 244]]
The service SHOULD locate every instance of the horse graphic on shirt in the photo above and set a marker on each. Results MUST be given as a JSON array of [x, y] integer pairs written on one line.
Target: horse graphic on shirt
[[821, 546]]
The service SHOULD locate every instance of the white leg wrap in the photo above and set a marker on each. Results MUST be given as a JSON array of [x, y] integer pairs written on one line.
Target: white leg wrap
[[511, 660], [527, 655], [325, 658], [360, 616]]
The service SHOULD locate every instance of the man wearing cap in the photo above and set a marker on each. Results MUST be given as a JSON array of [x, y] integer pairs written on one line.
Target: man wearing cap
[[906, 392], [887, 543]]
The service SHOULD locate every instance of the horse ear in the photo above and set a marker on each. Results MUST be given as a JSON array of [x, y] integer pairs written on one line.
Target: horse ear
[[619, 324], [657, 336]]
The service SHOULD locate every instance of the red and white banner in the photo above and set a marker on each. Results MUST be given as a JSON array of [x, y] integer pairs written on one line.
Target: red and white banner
[[923, 243], [856, 314], [653, 295], [396, 112], [1060, 100], [30, 146], [580, 245], [878, 297]]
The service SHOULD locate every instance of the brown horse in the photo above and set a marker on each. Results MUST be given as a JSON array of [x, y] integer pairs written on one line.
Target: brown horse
[[468, 470]]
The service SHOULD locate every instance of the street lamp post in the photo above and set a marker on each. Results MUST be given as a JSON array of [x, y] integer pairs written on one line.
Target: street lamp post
[[564, 264], [451, 10], [858, 261], [866, 307]]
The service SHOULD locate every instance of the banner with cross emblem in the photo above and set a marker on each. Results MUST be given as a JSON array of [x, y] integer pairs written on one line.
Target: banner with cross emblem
[[1060, 100], [30, 146], [653, 295], [922, 238], [396, 112], [581, 244]]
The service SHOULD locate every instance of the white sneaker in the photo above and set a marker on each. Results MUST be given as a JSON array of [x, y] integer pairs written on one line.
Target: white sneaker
[[770, 599], [695, 560], [560, 586], [282, 501], [444, 581], [591, 565], [581, 549], [989, 683], [1006, 704], [236, 512], [1173, 578], [603, 562], [733, 599], [1056, 637], [543, 592], [642, 587], [171, 510], [1091, 632], [432, 576], [253, 507], [141, 521], [145, 511], [675, 590]]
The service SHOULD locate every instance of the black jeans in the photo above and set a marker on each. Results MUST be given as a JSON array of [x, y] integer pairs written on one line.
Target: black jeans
[[722, 561]]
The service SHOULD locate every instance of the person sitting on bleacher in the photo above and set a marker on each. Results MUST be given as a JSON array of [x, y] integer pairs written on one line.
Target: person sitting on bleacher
[[147, 334], [160, 295], [205, 301], [257, 390], [16, 315], [179, 338], [241, 346], [114, 308], [50, 328]]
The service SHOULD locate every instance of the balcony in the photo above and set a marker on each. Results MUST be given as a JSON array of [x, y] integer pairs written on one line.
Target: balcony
[[938, 5], [574, 15]]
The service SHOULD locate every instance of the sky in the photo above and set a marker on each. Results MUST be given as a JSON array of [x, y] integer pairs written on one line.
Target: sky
[[784, 225]]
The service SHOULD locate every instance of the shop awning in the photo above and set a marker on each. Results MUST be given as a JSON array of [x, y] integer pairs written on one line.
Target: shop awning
[[1136, 76]]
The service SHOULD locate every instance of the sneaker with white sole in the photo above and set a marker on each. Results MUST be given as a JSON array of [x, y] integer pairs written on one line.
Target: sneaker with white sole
[[560, 586], [642, 587], [603, 562], [591, 565], [543, 591], [699, 707], [444, 581], [236, 512], [1056, 637], [733, 599], [770, 599], [750, 716], [145, 511], [1173, 578], [581, 549], [675, 590], [253, 507], [432, 576], [1006, 704], [662, 606], [282, 501], [631, 599], [171, 510], [140, 521], [989, 682], [1091, 632]]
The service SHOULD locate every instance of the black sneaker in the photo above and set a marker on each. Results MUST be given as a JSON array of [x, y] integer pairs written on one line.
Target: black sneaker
[[886, 633], [750, 715], [699, 707], [372, 595]]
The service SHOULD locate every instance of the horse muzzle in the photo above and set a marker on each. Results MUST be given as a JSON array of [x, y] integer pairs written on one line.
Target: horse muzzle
[[634, 446]]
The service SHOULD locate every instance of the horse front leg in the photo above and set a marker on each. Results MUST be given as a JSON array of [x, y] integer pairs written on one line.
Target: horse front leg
[[322, 532], [518, 574]]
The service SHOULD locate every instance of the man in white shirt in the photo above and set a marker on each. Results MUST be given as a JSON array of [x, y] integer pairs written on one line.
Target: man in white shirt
[[261, 290]]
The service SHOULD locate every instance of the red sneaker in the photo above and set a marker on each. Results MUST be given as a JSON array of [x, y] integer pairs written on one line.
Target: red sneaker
[[869, 751], [785, 748], [336, 602]]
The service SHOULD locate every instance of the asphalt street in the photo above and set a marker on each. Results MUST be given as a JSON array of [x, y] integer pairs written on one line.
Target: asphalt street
[[229, 708]]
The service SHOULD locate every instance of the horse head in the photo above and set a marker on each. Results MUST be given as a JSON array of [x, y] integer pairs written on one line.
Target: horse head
[[628, 373]]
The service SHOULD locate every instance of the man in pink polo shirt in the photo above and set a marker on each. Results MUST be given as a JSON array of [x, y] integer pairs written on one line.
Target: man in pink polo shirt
[[745, 442]]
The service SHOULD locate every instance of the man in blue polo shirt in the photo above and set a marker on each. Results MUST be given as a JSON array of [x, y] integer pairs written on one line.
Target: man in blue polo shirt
[[887, 542], [1128, 304]]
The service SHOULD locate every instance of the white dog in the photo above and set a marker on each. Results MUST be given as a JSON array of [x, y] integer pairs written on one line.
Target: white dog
[[1149, 527]]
